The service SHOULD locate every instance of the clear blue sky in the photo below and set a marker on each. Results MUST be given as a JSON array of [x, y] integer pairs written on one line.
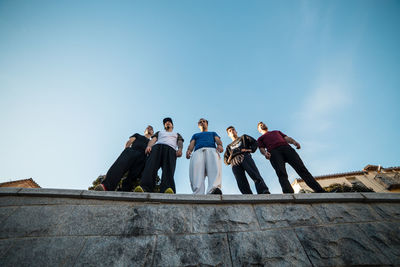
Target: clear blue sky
[[77, 78]]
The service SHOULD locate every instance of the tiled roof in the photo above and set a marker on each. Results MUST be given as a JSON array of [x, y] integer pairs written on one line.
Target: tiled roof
[[365, 170], [30, 180]]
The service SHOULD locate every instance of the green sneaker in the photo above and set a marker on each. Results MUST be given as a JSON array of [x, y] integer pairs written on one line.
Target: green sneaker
[[138, 189], [169, 191]]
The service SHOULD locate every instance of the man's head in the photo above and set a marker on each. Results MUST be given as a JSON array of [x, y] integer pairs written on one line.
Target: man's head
[[168, 125], [261, 127], [149, 130], [232, 133], [203, 124]]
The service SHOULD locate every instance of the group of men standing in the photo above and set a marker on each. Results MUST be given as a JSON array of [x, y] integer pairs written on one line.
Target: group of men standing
[[145, 155]]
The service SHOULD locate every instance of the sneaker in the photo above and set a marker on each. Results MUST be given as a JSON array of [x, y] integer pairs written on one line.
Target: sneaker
[[100, 187], [216, 191], [138, 189], [266, 191], [169, 191]]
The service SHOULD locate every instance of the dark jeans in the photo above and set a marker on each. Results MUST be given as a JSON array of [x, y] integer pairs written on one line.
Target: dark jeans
[[131, 160], [162, 156], [283, 154], [250, 167]]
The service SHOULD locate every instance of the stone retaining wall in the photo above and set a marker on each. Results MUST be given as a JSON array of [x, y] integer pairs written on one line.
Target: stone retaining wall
[[49, 227]]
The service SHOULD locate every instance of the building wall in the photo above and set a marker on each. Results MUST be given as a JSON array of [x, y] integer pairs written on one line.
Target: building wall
[[367, 179]]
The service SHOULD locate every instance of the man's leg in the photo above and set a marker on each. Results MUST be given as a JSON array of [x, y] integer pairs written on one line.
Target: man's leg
[[213, 169], [197, 172], [134, 173], [117, 170], [278, 163], [153, 163], [251, 168], [168, 164], [295, 161], [240, 176]]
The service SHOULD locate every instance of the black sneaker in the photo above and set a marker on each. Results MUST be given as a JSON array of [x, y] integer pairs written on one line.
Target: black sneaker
[[266, 191], [216, 191], [100, 187]]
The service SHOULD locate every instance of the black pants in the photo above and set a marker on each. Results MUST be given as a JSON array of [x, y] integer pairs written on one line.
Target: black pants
[[162, 156], [250, 167], [283, 154], [131, 160]]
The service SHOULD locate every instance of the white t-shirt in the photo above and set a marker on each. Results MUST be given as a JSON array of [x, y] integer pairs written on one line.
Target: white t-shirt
[[168, 138]]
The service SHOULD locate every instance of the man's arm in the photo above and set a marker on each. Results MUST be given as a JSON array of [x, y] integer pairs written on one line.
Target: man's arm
[[227, 156], [150, 144], [190, 148], [266, 154], [251, 144], [180, 147], [130, 142], [220, 148], [292, 141]]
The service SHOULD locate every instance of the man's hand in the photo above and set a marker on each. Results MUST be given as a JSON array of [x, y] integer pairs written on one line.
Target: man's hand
[[148, 150], [267, 155], [297, 145], [220, 149], [179, 153], [188, 154]]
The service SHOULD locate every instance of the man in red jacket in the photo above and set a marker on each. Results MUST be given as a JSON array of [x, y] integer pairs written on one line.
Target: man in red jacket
[[274, 145]]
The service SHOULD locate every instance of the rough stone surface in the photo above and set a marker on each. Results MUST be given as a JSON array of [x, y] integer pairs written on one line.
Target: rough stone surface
[[113, 229], [117, 251], [339, 245], [210, 219], [389, 211], [267, 248], [5, 212], [49, 251], [386, 237], [284, 215], [192, 250], [345, 212], [159, 219], [34, 221]]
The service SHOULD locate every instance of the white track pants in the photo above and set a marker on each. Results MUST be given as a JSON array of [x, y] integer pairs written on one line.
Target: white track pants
[[205, 162]]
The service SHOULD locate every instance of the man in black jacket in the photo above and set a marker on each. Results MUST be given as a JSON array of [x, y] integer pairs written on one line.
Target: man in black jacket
[[237, 154], [132, 159]]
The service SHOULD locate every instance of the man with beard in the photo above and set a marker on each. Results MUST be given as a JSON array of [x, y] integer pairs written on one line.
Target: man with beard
[[237, 154], [164, 148], [133, 158], [280, 152], [205, 161]]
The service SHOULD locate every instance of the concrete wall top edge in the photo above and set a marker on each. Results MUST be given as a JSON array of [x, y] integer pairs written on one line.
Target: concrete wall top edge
[[202, 199]]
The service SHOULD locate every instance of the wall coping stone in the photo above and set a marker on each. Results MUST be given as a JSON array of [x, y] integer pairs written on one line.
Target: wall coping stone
[[381, 197], [203, 199], [9, 191]]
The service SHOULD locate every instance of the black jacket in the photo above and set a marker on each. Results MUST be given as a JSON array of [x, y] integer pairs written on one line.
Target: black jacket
[[234, 149]]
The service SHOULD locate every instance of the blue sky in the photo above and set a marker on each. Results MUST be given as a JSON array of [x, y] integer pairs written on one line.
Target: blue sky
[[77, 78]]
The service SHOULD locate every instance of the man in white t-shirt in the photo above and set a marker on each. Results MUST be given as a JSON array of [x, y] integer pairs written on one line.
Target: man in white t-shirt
[[164, 147]]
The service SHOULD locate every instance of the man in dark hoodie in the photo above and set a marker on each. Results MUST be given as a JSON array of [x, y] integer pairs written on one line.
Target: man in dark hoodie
[[237, 154]]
